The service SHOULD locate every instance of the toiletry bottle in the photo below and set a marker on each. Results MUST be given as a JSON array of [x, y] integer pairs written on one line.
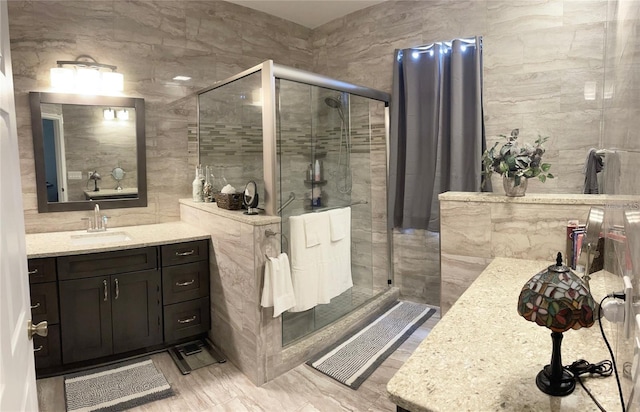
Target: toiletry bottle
[[207, 191], [317, 173], [310, 172], [196, 187]]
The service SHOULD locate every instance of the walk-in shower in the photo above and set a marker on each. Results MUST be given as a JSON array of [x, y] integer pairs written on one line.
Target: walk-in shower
[[313, 144]]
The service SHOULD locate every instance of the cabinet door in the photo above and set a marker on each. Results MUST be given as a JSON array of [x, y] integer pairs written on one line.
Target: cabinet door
[[136, 310], [85, 318]]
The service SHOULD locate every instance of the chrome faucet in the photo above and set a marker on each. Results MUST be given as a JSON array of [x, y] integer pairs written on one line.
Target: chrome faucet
[[96, 223]]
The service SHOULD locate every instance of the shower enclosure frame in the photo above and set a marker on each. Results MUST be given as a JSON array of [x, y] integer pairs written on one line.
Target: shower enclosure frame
[[271, 71], [262, 360]]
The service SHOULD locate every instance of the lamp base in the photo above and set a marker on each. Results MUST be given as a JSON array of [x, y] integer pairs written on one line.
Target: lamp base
[[562, 385]]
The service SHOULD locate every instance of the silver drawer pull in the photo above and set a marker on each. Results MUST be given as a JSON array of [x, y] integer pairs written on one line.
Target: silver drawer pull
[[185, 283], [117, 288], [106, 293], [37, 305], [33, 272], [191, 319], [38, 349], [191, 252]]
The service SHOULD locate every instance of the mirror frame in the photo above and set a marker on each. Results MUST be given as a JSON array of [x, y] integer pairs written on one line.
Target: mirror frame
[[36, 99]]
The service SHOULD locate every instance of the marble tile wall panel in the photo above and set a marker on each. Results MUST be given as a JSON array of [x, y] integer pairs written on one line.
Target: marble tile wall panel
[[150, 42], [473, 233]]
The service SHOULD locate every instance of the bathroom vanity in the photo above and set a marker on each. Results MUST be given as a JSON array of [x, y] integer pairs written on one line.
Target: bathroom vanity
[[117, 293]]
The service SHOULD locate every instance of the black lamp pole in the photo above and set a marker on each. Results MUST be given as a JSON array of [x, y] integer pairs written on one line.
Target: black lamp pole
[[553, 379]]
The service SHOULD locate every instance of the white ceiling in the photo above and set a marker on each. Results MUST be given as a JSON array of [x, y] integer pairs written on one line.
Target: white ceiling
[[308, 13]]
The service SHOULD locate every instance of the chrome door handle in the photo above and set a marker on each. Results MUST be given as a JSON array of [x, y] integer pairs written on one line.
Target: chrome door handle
[[37, 305], [106, 293], [40, 329], [38, 349], [191, 252], [117, 288], [191, 319], [185, 283]]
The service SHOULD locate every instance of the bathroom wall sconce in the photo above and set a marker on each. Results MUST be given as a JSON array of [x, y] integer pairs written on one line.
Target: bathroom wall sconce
[[120, 114], [109, 114], [86, 76]]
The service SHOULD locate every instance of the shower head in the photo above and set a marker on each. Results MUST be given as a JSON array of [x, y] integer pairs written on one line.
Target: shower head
[[333, 102]]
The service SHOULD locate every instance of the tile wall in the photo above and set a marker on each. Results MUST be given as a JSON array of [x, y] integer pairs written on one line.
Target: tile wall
[[538, 57]]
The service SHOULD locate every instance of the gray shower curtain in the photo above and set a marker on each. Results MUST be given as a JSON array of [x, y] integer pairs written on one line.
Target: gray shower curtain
[[436, 129]]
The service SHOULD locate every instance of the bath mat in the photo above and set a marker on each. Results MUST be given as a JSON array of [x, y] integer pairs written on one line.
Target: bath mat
[[356, 358], [115, 387], [195, 355]]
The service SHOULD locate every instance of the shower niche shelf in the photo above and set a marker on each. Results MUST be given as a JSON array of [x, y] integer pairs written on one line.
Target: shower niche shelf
[[316, 182]]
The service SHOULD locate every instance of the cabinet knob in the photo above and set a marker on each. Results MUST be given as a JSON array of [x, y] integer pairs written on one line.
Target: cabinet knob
[[40, 329]]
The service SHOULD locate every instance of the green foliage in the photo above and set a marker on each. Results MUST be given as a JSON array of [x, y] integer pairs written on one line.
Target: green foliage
[[511, 160]]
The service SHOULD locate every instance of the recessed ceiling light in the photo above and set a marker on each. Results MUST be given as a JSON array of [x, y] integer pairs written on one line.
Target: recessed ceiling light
[[182, 78]]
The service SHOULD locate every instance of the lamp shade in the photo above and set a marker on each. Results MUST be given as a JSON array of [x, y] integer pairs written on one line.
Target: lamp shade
[[558, 299]]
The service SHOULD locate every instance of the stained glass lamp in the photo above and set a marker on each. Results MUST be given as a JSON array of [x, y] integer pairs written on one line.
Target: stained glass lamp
[[558, 299]]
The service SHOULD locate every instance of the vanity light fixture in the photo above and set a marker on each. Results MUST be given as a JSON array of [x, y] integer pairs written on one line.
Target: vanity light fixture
[[122, 114], [108, 114], [86, 76]]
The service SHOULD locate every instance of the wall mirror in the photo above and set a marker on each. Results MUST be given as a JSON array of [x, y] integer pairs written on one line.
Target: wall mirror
[[82, 147]]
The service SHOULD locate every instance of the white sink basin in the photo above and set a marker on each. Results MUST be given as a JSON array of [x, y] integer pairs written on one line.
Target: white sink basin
[[99, 238]]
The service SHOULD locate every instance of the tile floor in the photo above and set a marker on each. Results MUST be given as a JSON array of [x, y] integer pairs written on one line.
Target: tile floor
[[222, 387]]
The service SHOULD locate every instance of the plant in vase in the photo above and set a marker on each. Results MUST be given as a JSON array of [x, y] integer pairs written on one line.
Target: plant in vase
[[516, 163]]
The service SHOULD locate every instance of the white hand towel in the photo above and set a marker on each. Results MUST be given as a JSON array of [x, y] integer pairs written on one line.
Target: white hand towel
[[278, 289], [339, 223], [314, 225]]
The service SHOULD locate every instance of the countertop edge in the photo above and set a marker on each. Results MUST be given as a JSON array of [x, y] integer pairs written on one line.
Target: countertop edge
[[237, 215], [52, 244]]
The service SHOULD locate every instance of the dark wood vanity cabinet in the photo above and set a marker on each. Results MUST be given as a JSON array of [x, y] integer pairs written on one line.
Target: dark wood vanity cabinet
[[44, 307], [108, 315], [100, 305], [185, 287]]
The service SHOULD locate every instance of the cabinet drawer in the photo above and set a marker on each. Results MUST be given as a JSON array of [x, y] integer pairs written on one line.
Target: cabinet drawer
[[185, 319], [185, 282], [42, 270], [47, 349], [107, 263], [185, 252], [44, 302]]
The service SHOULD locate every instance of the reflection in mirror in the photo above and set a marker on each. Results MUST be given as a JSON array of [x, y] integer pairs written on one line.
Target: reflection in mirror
[[82, 147]]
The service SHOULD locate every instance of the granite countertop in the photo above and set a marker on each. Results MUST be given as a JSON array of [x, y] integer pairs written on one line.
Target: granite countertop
[[60, 243], [255, 220], [482, 356], [542, 198]]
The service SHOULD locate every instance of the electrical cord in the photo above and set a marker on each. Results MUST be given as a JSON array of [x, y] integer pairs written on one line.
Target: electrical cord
[[604, 337], [581, 367]]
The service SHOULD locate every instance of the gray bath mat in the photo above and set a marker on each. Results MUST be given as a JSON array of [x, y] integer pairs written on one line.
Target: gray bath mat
[[116, 387], [356, 358]]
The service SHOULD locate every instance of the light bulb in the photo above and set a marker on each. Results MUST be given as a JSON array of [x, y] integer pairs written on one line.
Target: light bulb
[[109, 114]]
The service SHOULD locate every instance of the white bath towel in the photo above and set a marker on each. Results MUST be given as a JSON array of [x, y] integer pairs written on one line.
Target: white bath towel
[[314, 225], [339, 223], [322, 272], [340, 251], [278, 288]]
